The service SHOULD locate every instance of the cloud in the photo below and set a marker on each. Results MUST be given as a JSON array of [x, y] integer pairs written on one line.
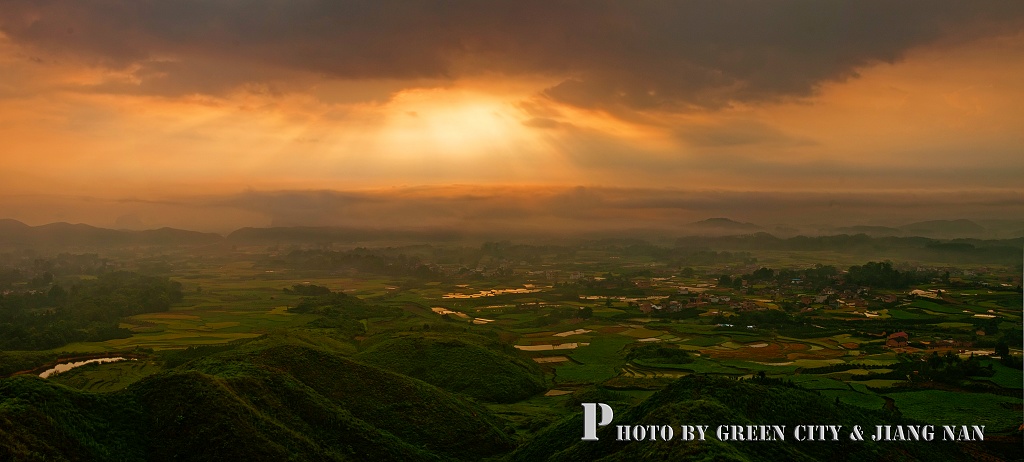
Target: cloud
[[509, 211], [658, 55], [738, 133], [544, 122], [494, 210]]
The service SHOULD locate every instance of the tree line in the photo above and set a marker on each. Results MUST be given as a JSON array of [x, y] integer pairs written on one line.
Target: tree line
[[88, 310]]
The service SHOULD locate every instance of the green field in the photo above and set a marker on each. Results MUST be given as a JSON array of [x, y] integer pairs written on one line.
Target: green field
[[237, 326], [1005, 377], [107, 377], [997, 413], [595, 363]]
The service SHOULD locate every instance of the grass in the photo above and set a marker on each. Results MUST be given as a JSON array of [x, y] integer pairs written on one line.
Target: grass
[[785, 369], [1006, 377], [850, 374], [157, 341], [936, 307], [228, 406], [955, 326], [107, 377], [816, 362], [865, 399], [957, 408], [880, 383], [815, 382], [905, 314], [183, 327], [594, 363], [464, 364], [642, 333], [883, 359], [241, 301], [699, 365], [705, 341]]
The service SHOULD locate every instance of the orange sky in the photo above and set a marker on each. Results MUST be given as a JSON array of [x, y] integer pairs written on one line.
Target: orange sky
[[142, 124]]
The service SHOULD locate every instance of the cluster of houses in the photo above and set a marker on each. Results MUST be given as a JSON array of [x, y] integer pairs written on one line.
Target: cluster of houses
[[897, 340], [952, 343], [700, 300], [901, 340]]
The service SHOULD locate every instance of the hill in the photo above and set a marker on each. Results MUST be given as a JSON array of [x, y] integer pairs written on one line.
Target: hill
[[266, 401], [874, 231], [945, 228], [14, 233], [328, 234], [468, 364], [1001, 251], [714, 401], [723, 226]]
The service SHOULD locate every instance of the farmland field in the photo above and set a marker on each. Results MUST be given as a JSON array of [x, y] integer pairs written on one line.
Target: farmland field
[[531, 339], [949, 408]]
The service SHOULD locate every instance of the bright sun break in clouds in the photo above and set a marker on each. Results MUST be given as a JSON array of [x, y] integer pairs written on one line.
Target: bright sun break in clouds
[[447, 123], [122, 105]]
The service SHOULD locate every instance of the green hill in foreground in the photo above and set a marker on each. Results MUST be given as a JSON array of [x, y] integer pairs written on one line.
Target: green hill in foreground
[[281, 398], [696, 400], [468, 364], [282, 402]]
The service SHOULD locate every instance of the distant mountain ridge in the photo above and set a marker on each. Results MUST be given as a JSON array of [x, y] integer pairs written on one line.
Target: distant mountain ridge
[[938, 229], [334, 234], [952, 228], [725, 223], [870, 230], [16, 233], [720, 226]]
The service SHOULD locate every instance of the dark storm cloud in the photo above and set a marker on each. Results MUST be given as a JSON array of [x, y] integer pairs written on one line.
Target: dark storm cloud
[[664, 55]]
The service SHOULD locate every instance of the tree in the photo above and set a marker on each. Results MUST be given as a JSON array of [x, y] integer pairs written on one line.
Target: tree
[[1002, 349], [57, 294]]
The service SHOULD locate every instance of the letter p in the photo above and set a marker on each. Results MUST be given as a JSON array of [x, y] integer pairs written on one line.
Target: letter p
[[590, 422]]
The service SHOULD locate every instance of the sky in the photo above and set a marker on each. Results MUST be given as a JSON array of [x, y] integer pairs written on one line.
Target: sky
[[217, 114]]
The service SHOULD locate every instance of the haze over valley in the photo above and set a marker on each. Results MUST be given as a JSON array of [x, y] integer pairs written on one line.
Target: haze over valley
[[346, 230]]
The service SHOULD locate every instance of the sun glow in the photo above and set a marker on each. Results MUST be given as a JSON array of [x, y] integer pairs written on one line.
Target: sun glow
[[452, 124]]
